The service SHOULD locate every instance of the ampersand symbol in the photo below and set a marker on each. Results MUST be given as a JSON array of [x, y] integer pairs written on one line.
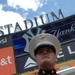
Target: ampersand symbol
[[3, 62]]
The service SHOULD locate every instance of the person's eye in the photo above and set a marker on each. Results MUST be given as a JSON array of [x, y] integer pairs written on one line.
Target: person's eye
[[49, 51], [39, 52]]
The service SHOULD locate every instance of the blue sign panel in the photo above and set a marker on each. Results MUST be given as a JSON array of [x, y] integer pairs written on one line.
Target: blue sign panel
[[21, 40], [64, 33]]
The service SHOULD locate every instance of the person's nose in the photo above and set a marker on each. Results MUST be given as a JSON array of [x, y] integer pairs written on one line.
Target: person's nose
[[45, 52]]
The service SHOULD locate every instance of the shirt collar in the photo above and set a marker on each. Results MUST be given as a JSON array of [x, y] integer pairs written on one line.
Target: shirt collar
[[47, 72]]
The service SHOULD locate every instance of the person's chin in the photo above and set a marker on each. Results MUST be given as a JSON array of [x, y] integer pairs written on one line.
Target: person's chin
[[45, 63], [46, 60]]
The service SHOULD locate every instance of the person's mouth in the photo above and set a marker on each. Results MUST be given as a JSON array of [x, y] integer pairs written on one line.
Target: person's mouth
[[45, 56]]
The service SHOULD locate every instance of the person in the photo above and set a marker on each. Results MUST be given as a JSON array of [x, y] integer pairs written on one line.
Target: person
[[44, 48]]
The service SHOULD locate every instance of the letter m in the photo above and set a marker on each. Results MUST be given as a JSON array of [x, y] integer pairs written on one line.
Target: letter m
[[57, 18]]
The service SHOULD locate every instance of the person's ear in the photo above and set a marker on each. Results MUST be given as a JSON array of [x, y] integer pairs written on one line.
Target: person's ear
[[35, 60], [56, 59]]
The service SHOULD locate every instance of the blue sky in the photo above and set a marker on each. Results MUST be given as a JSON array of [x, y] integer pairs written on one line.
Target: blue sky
[[12, 11]]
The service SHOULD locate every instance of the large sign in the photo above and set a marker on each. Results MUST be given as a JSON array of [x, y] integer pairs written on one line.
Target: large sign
[[14, 48], [7, 59], [63, 33]]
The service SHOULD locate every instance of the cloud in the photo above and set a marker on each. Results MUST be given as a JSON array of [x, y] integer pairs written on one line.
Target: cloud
[[10, 17], [27, 4]]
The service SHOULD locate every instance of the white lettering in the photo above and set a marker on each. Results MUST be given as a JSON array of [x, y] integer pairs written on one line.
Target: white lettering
[[3, 41], [60, 54], [8, 59], [27, 37], [5, 61], [60, 32], [70, 51]]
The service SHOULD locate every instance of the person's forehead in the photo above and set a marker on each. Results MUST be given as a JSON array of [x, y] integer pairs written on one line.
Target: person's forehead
[[45, 47]]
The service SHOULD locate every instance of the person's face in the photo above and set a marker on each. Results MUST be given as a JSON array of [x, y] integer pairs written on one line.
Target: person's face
[[45, 57]]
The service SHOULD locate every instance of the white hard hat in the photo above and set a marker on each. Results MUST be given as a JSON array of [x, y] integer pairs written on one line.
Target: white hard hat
[[42, 40]]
